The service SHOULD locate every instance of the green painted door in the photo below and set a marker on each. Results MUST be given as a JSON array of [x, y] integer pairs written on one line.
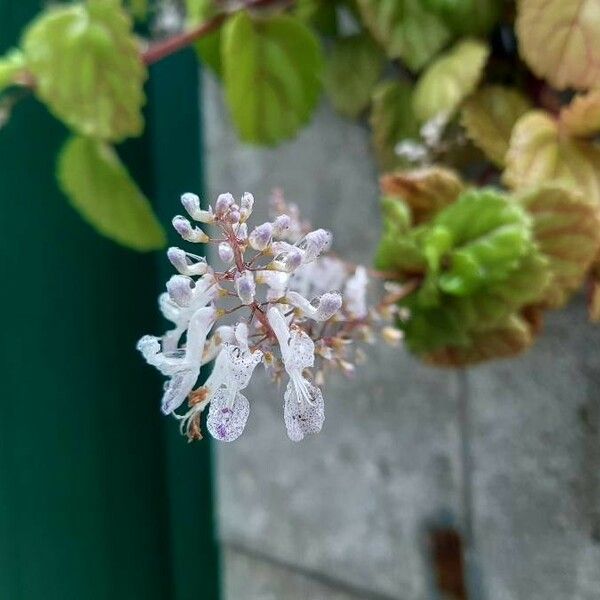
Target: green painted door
[[99, 497]]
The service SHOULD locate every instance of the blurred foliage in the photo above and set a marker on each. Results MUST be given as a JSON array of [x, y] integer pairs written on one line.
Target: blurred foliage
[[460, 96]]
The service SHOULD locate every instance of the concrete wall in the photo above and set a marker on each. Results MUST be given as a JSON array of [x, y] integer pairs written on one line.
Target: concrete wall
[[506, 455]]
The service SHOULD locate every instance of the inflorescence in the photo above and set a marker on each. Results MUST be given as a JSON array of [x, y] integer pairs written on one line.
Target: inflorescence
[[292, 318]]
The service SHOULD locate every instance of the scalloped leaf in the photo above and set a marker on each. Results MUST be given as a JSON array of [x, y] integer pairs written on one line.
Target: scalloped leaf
[[272, 74], [512, 337], [353, 69], [102, 191], [207, 47], [467, 17], [558, 39], [405, 29], [490, 235], [426, 191], [87, 66], [582, 116], [539, 154], [488, 117], [566, 227], [392, 120], [450, 79]]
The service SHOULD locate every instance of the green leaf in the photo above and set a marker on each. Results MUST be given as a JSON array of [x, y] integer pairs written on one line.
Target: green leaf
[[208, 47], [426, 191], [539, 153], [490, 236], [513, 336], [467, 17], [87, 67], [100, 189], [272, 70], [489, 116], [566, 227], [138, 8], [405, 29], [558, 39], [12, 65], [450, 79], [352, 70], [392, 120]]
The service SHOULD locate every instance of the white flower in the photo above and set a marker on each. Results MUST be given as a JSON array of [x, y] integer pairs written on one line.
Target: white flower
[[182, 366], [277, 282], [260, 237], [186, 263], [303, 410], [320, 310], [245, 286], [355, 294], [179, 307], [187, 232], [191, 203], [315, 278]]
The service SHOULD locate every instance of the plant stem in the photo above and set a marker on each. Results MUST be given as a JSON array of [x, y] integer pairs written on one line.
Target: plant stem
[[164, 48]]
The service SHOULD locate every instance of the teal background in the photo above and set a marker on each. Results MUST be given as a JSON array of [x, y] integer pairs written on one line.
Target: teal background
[[100, 498]]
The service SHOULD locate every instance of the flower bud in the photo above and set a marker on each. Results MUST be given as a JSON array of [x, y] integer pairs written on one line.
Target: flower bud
[[293, 259], [245, 286], [246, 206], [189, 233], [329, 304], [187, 264], [392, 336], [242, 232], [180, 289], [314, 243], [234, 216], [260, 237], [226, 252], [281, 225], [223, 204]]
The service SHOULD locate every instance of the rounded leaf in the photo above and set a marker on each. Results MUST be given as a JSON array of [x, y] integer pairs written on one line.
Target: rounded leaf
[[208, 46], [271, 70], [100, 189], [488, 117], [450, 79], [405, 29], [353, 68], [426, 191], [558, 39], [88, 69], [538, 153], [566, 227]]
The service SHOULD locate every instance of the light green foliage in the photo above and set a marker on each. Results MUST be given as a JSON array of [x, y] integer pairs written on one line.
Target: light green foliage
[[405, 29], [467, 17], [208, 47], [450, 79], [138, 8], [272, 73], [352, 71], [87, 68], [480, 266], [11, 65], [391, 119], [100, 189], [489, 116]]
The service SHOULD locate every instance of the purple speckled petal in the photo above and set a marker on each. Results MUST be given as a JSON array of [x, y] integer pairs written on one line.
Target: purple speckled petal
[[226, 423], [301, 417]]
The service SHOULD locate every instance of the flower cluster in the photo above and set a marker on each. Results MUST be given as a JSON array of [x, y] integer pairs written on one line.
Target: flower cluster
[[295, 321]]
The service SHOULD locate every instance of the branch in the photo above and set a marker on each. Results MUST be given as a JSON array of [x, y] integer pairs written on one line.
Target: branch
[[164, 48]]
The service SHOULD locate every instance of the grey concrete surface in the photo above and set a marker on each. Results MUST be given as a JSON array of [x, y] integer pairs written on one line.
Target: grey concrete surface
[[519, 470]]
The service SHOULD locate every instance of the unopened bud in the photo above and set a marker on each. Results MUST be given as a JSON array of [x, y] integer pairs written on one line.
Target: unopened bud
[[392, 336], [281, 225], [242, 232], [246, 206], [226, 252], [260, 237], [223, 204], [187, 264], [315, 242], [245, 286], [189, 233], [329, 304]]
